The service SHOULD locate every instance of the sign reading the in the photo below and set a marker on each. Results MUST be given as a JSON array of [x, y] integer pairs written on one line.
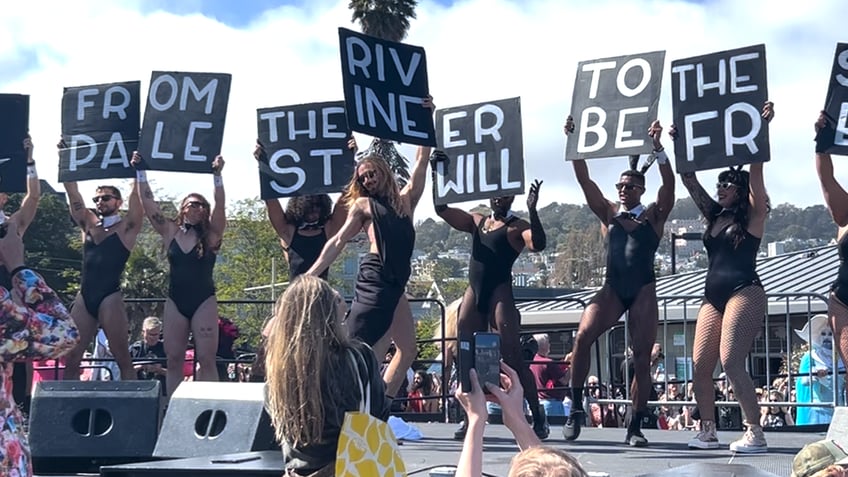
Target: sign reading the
[[836, 104], [615, 101], [184, 121], [484, 144], [307, 151], [717, 101], [14, 126], [384, 83], [100, 126]]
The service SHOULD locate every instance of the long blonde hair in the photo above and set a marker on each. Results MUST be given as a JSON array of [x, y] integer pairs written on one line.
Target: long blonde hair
[[545, 461], [307, 346], [387, 187]]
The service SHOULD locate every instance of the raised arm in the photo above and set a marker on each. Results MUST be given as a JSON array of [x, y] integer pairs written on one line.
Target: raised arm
[[456, 218], [534, 237], [356, 218], [276, 216], [162, 225], [339, 215], [26, 213], [219, 211], [706, 205], [599, 205], [415, 187], [665, 196], [834, 195], [757, 197]]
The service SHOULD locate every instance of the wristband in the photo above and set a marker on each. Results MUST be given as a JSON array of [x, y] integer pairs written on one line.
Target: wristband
[[31, 170], [661, 157], [141, 176], [217, 180], [18, 269]]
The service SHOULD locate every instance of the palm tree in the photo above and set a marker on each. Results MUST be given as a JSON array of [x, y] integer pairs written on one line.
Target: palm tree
[[388, 20]]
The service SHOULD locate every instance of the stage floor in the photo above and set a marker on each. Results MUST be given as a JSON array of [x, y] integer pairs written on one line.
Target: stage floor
[[599, 450]]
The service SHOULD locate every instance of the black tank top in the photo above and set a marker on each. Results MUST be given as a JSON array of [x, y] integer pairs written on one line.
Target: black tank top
[[730, 264], [190, 271], [304, 251], [103, 263], [395, 237], [492, 256], [630, 255], [842, 274]]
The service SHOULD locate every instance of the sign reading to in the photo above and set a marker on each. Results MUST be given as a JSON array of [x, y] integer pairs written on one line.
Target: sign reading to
[[14, 126], [100, 126], [184, 121], [717, 101], [307, 150], [614, 102], [836, 104], [483, 142], [384, 83]]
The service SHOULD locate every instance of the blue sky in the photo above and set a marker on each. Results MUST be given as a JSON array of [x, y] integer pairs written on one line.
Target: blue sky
[[284, 53]]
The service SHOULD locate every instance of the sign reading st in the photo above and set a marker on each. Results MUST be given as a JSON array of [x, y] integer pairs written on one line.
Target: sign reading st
[[14, 126], [836, 103], [614, 102]]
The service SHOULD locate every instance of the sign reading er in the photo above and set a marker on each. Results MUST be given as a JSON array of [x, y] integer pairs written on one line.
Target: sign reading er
[[184, 121], [307, 150], [614, 102], [484, 144], [14, 126], [836, 104], [100, 126], [717, 101], [384, 83]]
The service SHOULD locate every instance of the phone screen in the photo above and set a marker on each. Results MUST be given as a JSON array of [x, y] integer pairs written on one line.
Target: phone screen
[[487, 358]]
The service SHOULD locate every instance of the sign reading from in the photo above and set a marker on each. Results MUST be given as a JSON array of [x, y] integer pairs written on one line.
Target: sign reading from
[[184, 121], [14, 126], [486, 155], [614, 102], [836, 104], [307, 151], [100, 126], [384, 83], [717, 101]]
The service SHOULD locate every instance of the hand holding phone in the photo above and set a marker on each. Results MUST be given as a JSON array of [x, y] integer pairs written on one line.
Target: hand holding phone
[[482, 351]]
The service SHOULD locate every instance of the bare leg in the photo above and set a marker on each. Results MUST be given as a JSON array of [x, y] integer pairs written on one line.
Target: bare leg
[[87, 326], [113, 320], [402, 332], [175, 335], [642, 321], [204, 328]]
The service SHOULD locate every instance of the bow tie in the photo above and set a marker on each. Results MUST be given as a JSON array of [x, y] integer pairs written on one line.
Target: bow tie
[[186, 227], [627, 215]]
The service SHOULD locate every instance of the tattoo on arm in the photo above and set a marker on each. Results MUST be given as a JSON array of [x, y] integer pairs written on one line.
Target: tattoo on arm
[[77, 206], [148, 194], [158, 218], [702, 199], [537, 232]]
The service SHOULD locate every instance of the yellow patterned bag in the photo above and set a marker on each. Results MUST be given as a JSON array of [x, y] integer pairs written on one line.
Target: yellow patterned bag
[[367, 446]]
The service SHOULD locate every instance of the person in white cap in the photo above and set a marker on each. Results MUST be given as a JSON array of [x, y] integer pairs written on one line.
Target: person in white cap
[[817, 381]]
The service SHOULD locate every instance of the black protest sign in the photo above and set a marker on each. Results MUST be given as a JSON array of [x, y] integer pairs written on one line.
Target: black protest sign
[[306, 149], [486, 154], [836, 104], [384, 83], [14, 126], [615, 101], [100, 125], [184, 121], [717, 101]]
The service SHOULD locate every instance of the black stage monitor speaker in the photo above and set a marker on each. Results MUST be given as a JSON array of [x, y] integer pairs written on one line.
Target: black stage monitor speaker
[[77, 426], [210, 418]]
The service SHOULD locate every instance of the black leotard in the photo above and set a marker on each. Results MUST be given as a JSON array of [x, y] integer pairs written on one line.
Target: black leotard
[[303, 251], [382, 276], [491, 262], [191, 277], [102, 266], [840, 286], [731, 268], [630, 259]]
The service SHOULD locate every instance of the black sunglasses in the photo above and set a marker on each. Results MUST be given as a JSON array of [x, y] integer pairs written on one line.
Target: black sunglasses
[[101, 198], [626, 186], [725, 185], [195, 204], [367, 175]]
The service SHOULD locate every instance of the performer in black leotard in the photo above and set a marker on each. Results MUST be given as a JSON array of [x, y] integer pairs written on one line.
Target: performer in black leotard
[[22, 371], [633, 232], [734, 300], [488, 302], [107, 242], [380, 312], [837, 201], [193, 240]]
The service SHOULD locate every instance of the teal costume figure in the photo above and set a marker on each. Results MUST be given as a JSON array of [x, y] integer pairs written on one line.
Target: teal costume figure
[[816, 379]]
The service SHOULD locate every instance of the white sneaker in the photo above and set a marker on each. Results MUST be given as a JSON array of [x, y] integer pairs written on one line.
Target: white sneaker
[[753, 442], [706, 438]]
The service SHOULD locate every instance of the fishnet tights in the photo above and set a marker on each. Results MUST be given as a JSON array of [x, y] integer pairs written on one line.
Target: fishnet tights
[[730, 337]]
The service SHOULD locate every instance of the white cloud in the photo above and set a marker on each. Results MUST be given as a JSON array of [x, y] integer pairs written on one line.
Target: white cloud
[[477, 50]]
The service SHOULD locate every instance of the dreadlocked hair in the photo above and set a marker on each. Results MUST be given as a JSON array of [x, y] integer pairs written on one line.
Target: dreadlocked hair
[[202, 228], [386, 188], [297, 207], [741, 179]]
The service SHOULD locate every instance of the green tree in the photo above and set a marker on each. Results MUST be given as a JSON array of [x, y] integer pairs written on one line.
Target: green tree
[[388, 20]]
